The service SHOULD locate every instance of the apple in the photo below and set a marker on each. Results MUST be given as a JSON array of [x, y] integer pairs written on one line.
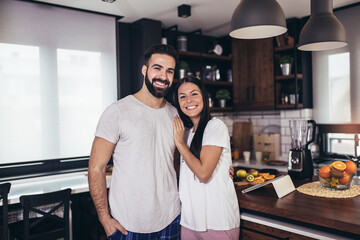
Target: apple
[[254, 172], [241, 173]]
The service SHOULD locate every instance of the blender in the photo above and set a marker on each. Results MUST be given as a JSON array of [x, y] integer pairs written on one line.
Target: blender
[[300, 164]]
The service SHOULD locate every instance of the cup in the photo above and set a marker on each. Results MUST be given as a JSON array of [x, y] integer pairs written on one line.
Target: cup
[[247, 156], [258, 156]]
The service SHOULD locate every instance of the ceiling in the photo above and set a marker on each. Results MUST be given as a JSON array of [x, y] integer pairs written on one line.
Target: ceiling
[[211, 16]]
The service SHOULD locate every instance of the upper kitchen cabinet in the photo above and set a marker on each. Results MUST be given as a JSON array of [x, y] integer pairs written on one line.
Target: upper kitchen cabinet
[[253, 73], [293, 75], [134, 38], [207, 58]]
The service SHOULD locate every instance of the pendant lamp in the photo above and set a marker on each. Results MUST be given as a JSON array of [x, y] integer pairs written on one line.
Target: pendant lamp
[[253, 19], [323, 31]]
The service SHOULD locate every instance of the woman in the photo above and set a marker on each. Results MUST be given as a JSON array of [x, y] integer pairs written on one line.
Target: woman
[[210, 207]]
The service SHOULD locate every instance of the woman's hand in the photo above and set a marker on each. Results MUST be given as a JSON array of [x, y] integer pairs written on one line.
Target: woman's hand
[[179, 131], [231, 172]]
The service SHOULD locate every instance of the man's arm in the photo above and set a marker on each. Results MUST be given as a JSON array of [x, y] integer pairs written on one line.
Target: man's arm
[[177, 162], [100, 154]]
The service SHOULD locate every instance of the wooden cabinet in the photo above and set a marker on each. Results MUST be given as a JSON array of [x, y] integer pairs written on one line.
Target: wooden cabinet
[[250, 231], [253, 73]]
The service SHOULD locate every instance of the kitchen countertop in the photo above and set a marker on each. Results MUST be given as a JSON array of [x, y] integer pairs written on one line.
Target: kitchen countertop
[[330, 216], [258, 165], [78, 182]]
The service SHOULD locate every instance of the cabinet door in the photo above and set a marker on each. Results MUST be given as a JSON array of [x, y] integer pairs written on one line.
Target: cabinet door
[[241, 71], [253, 74]]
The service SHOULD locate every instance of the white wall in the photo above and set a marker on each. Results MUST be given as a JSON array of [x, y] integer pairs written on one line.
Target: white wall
[[261, 120], [350, 18]]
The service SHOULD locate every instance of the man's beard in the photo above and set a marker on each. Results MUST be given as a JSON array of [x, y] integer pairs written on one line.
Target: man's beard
[[155, 91]]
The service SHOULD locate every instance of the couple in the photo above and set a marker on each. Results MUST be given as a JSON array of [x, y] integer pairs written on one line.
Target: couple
[[141, 132]]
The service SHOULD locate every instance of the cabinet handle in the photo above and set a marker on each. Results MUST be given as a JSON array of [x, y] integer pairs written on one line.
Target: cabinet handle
[[253, 93], [247, 93]]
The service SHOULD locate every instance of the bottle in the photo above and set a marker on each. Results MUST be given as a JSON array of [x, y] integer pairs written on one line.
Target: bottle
[[236, 154], [266, 153]]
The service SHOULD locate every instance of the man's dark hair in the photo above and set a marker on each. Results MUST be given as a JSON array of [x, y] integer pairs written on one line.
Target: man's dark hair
[[161, 49]]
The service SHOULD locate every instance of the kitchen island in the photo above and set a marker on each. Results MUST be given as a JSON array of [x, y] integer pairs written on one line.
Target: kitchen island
[[296, 215]]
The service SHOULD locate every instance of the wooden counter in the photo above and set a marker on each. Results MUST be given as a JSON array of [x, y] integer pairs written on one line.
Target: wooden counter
[[338, 216]]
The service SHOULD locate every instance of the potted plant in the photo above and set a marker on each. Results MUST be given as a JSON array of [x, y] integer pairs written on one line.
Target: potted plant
[[285, 64], [222, 95], [183, 67]]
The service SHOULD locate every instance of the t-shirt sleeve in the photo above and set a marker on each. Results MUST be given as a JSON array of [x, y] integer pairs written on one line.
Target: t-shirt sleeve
[[216, 134], [108, 126]]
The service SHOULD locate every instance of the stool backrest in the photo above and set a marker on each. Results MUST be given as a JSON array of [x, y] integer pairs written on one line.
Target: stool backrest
[[4, 191], [35, 203]]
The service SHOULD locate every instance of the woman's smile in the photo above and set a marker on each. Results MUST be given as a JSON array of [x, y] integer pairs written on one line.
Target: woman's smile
[[190, 99]]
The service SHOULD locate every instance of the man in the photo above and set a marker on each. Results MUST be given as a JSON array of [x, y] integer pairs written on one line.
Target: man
[[137, 131]]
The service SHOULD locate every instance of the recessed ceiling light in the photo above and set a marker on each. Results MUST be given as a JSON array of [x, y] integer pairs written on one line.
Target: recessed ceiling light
[[109, 1], [184, 11]]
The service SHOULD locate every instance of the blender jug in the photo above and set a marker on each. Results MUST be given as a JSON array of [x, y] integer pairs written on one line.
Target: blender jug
[[300, 164]]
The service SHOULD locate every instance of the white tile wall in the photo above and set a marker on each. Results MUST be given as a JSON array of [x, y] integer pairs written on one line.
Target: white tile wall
[[263, 119]]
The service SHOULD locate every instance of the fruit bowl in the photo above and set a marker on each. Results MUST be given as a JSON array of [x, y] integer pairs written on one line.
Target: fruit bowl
[[337, 175], [334, 184]]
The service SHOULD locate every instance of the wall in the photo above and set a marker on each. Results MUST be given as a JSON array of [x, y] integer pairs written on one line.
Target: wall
[[261, 120], [350, 18]]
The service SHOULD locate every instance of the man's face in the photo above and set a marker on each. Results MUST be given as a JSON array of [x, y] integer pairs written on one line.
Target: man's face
[[159, 74]]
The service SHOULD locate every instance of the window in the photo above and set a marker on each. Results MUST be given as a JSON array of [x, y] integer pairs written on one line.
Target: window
[[340, 143], [57, 75], [339, 88]]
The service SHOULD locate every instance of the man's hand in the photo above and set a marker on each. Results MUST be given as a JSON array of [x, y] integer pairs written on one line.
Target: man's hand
[[111, 225]]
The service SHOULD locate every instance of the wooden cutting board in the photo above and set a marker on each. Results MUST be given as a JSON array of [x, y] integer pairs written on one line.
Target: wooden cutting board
[[242, 135]]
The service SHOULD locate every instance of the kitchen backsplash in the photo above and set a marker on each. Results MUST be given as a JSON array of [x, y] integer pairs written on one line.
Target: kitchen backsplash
[[268, 120]]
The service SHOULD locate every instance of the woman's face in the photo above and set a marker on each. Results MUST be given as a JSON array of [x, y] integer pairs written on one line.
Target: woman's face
[[190, 100]]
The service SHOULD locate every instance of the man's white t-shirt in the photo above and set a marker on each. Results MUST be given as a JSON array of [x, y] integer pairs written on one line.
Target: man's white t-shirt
[[214, 204], [143, 191]]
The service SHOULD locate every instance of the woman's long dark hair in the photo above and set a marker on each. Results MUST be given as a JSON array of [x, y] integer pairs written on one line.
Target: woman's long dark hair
[[196, 143]]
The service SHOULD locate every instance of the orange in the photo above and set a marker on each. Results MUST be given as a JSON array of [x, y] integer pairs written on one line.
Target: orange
[[257, 181], [258, 178], [339, 165], [325, 172], [345, 179], [350, 167], [269, 177], [264, 174]]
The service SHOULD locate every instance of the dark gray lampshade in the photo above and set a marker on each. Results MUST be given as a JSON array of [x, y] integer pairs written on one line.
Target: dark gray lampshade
[[323, 31], [253, 19]]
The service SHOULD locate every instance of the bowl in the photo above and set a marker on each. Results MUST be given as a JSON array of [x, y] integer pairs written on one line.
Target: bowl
[[332, 183]]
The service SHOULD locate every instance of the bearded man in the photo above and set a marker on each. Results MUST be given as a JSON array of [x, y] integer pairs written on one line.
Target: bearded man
[[137, 132]]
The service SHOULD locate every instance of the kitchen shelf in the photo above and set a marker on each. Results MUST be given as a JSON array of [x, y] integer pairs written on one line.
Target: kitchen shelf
[[220, 109], [212, 83], [217, 83], [204, 55], [297, 86], [284, 48], [288, 106], [288, 77]]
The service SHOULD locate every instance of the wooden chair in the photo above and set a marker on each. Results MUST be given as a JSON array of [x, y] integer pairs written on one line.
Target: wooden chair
[[47, 225], [4, 191]]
